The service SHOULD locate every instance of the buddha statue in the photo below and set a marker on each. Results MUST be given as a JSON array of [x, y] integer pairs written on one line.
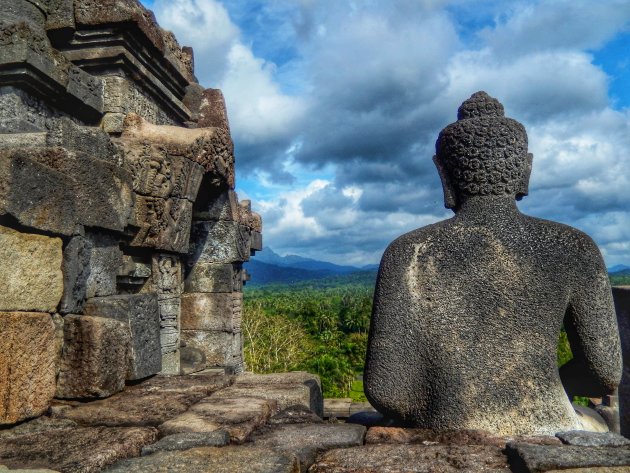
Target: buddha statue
[[468, 311]]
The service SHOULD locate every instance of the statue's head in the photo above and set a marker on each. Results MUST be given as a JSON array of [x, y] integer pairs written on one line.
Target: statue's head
[[483, 153]]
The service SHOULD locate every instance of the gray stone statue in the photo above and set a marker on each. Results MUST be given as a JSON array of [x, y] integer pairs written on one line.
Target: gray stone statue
[[468, 311]]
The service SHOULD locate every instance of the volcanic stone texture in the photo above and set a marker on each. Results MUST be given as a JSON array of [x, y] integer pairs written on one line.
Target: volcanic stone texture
[[306, 440], [95, 357], [75, 450], [35, 195], [542, 458], [141, 314], [211, 460], [312, 397], [239, 416], [412, 459], [33, 280], [149, 403], [76, 270], [28, 365], [467, 311], [621, 296]]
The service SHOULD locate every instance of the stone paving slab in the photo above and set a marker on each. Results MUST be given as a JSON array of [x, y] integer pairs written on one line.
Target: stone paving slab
[[200, 383], [297, 414], [284, 395], [312, 382], [239, 416], [75, 450], [593, 439], [186, 441], [542, 458], [412, 459], [211, 460], [127, 409], [398, 435], [306, 440]]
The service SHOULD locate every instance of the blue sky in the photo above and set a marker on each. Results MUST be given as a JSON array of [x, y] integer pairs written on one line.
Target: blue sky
[[335, 106]]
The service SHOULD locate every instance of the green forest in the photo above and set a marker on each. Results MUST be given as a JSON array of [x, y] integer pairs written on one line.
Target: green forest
[[321, 326]]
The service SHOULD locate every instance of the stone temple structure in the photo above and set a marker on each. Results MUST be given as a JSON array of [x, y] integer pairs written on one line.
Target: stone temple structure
[[467, 311], [121, 237]]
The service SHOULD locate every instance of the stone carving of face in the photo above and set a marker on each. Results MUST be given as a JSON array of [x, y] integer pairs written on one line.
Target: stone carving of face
[[483, 153]]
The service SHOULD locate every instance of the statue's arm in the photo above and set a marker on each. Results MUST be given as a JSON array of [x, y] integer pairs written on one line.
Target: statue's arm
[[591, 326], [382, 366]]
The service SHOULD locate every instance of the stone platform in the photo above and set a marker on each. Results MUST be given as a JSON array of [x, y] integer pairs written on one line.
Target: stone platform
[[212, 422]]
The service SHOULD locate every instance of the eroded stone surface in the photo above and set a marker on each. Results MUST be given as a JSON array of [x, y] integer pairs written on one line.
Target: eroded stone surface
[[75, 450], [33, 280], [539, 458], [593, 439], [28, 365], [211, 460], [131, 408], [297, 414], [313, 400], [412, 459], [95, 357], [212, 311], [141, 314], [239, 416], [458, 303], [398, 435], [188, 440], [305, 440]]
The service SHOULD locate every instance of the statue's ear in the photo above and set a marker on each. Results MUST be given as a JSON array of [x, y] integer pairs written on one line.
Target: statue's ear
[[450, 197], [523, 186]]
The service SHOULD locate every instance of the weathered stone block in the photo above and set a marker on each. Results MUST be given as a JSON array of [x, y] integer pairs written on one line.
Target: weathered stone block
[[210, 277], [36, 195], [223, 206], [81, 449], [169, 324], [621, 296], [141, 314], [32, 280], [306, 440], [157, 174], [314, 399], [95, 357], [212, 311], [212, 148], [28, 365], [211, 460], [102, 190], [285, 395], [164, 223], [219, 242], [524, 457], [412, 459], [76, 270], [188, 440], [219, 348], [171, 363], [167, 276], [240, 416], [212, 110], [256, 242], [64, 133], [105, 259]]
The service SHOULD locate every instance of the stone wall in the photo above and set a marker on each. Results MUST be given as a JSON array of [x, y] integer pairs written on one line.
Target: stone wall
[[122, 238]]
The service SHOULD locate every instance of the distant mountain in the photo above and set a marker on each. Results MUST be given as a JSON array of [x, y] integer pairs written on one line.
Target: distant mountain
[[267, 255], [619, 268], [269, 267]]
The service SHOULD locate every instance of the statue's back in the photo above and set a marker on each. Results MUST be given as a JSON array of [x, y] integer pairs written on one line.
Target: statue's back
[[467, 314]]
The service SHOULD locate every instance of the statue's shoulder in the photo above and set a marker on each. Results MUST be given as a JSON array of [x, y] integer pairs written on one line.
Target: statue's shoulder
[[408, 242], [569, 239]]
